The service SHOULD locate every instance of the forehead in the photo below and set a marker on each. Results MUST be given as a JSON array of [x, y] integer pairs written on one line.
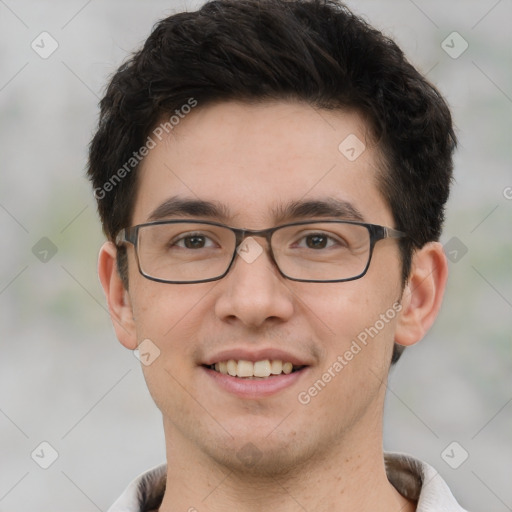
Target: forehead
[[254, 160]]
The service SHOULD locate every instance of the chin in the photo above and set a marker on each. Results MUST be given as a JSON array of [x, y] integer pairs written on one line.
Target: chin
[[260, 456]]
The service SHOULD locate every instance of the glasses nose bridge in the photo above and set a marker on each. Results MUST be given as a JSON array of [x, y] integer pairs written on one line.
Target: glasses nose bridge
[[242, 234]]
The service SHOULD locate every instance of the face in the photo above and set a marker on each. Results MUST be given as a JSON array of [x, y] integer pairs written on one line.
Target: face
[[254, 162]]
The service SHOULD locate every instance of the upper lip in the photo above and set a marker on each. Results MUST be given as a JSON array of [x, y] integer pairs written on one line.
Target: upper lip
[[255, 355]]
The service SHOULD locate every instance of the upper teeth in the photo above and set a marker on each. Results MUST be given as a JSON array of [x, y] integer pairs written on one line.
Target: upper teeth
[[243, 368]]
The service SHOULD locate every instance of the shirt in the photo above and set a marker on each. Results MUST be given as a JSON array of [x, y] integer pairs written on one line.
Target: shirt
[[412, 478]]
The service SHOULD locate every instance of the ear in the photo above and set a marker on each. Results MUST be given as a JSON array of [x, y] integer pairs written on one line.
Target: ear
[[423, 294], [118, 299]]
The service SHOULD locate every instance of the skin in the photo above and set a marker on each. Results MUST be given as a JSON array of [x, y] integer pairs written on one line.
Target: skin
[[323, 456]]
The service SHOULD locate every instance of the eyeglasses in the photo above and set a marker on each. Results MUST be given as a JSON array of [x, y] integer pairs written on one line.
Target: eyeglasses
[[323, 251]]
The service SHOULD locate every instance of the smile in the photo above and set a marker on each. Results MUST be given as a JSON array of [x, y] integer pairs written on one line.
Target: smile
[[254, 370]]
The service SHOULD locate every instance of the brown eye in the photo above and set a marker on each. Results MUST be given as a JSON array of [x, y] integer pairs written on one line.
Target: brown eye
[[194, 242], [316, 241]]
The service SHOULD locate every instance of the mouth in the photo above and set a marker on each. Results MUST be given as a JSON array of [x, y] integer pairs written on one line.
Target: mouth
[[258, 370]]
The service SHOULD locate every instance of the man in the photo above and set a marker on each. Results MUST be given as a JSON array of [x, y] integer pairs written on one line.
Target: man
[[271, 177]]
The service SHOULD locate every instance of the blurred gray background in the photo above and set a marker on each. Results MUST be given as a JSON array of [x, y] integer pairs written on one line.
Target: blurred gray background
[[64, 378]]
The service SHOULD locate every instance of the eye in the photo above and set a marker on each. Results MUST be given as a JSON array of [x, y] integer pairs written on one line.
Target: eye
[[193, 241], [317, 241]]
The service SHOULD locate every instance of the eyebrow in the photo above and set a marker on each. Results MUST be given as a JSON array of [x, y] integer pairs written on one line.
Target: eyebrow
[[322, 207], [175, 206]]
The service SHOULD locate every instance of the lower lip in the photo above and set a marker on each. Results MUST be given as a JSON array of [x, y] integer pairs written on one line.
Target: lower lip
[[255, 388]]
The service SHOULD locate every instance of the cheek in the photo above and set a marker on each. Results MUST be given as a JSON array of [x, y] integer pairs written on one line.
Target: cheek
[[169, 312], [358, 353], [340, 312], [170, 317], [356, 327]]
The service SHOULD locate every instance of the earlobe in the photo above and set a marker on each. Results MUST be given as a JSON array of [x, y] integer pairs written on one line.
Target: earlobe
[[423, 294], [118, 299]]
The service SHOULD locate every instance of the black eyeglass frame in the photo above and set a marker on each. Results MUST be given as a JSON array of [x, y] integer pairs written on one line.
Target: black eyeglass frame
[[377, 232]]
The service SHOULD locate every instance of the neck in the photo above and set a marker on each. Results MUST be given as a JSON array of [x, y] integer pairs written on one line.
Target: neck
[[349, 476]]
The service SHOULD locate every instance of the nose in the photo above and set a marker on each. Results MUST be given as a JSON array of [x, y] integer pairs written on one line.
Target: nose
[[254, 293]]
